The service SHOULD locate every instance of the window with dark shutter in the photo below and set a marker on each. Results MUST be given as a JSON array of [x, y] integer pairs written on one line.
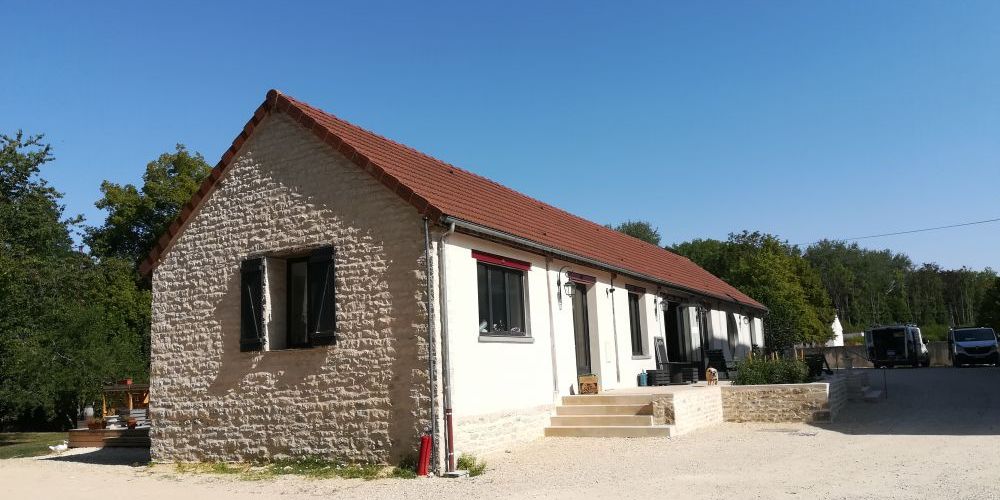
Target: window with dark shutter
[[252, 305], [322, 302]]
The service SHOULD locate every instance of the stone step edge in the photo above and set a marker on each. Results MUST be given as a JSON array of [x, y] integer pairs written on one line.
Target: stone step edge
[[642, 431]]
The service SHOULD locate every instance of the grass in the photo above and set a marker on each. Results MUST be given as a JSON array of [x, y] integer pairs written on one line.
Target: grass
[[28, 444], [472, 464], [313, 468]]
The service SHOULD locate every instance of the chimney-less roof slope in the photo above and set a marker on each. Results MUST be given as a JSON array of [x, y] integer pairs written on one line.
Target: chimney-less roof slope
[[439, 189]]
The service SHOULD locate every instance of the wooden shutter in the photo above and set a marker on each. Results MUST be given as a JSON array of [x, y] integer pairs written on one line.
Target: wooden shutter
[[252, 305], [322, 297]]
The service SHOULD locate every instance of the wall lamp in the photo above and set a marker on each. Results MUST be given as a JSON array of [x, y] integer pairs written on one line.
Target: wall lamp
[[563, 288]]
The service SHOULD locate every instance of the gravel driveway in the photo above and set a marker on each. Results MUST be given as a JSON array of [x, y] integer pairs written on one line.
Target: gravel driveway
[[936, 436]]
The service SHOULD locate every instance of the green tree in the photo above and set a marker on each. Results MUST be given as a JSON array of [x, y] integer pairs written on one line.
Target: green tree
[[989, 306], [775, 274], [639, 229], [867, 286], [925, 290], [137, 217], [68, 322]]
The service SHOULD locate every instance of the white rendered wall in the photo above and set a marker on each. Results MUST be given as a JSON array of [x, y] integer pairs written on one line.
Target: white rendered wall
[[489, 377], [519, 382]]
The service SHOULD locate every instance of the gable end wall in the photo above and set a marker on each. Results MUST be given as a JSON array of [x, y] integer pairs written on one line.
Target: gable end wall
[[365, 399]]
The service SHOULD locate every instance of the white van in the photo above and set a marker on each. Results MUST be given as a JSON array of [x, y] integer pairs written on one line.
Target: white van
[[972, 346]]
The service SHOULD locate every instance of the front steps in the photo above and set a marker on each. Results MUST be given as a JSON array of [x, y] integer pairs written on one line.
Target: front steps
[[606, 415]]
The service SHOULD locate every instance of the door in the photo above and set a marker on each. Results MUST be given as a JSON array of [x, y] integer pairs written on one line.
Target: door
[[581, 330], [677, 345]]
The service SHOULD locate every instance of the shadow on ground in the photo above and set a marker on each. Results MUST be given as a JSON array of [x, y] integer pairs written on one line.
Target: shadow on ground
[[136, 457], [927, 402]]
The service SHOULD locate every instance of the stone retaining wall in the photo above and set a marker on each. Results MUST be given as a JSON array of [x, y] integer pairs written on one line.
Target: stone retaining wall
[[784, 402], [856, 356], [689, 410]]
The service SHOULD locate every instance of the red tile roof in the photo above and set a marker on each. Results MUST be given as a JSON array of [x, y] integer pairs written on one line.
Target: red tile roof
[[438, 189]]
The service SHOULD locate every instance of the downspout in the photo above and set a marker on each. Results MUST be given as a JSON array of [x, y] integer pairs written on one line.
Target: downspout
[[552, 330], [614, 328], [432, 373], [445, 363]]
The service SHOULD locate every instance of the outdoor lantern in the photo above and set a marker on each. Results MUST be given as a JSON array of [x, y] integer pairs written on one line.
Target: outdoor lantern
[[663, 304], [563, 288]]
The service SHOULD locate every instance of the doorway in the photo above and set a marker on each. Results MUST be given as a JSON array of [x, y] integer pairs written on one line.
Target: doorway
[[677, 345], [581, 330]]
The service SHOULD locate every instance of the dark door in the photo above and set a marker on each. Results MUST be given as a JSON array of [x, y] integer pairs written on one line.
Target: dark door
[[676, 346], [581, 330]]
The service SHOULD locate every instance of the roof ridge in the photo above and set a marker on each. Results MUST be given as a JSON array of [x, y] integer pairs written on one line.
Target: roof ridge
[[437, 188]]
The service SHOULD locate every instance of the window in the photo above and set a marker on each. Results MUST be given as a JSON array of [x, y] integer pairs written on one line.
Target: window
[[635, 323], [288, 302], [501, 300], [502, 292]]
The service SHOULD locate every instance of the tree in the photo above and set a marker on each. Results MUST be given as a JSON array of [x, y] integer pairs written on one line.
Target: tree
[[68, 323], [871, 287], [989, 306], [774, 273], [867, 286], [639, 229], [137, 217]]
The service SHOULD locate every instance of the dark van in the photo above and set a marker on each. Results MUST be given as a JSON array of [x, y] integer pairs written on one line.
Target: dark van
[[896, 345]]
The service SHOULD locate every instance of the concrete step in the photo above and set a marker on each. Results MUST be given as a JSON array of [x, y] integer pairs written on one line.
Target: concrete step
[[609, 431], [602, 420], [610, 399], [636, 409]]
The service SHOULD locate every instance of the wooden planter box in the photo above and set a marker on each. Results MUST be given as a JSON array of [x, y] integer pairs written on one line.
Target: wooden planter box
[[100, 438], [588, 384]]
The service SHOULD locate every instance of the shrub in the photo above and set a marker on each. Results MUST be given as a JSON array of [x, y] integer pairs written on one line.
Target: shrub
[[472, 464], [760, 370]]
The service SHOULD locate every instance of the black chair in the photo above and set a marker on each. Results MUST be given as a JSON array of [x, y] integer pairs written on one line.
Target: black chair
[[817, 365], [717, 360]]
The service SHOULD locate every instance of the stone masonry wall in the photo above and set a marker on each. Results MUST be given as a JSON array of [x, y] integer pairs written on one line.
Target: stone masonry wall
[[784, 402], [689, 410], [365, 399], [496, 432], [694, 409]]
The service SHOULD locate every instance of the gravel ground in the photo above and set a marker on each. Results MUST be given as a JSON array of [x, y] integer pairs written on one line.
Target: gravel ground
[[936, 436]]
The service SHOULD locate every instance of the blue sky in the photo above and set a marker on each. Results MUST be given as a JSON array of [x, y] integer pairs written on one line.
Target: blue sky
[[803, 119]]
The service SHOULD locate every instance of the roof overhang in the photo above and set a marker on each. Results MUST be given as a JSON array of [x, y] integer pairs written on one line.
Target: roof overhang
[[493, 234]]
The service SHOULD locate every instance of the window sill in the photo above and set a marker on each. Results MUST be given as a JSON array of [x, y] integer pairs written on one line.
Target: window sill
[[293, 349], [641, 356], [510, 339]]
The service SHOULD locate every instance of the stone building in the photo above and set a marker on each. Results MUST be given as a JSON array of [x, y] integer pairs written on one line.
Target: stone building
[[330, 292]]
